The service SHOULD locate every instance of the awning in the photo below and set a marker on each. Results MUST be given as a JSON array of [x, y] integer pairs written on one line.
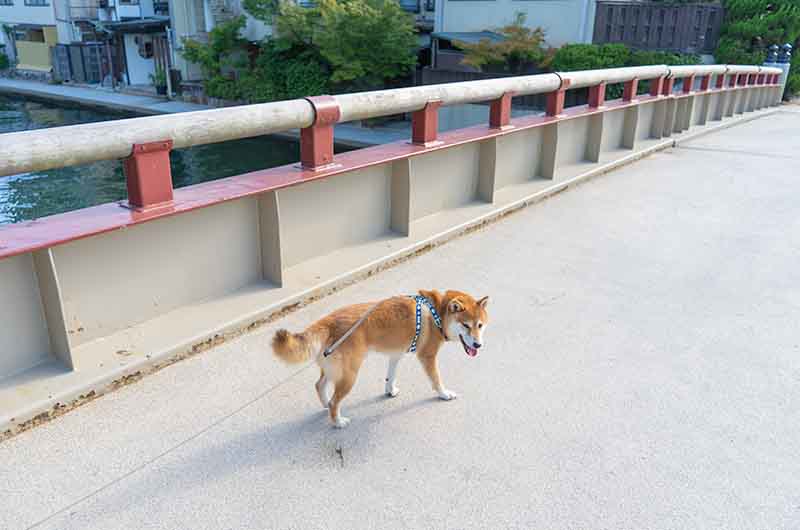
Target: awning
[[140, 25], [470, 37]]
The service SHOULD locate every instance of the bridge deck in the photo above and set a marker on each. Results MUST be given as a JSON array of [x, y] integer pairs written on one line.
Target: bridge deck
[[640, 371]]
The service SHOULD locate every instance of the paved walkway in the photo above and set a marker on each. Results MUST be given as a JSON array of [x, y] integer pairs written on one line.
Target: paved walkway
[[641, 371]]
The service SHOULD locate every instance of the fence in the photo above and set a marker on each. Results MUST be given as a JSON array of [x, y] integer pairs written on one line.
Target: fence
[[81, 63], [91, 296], [687, 28]]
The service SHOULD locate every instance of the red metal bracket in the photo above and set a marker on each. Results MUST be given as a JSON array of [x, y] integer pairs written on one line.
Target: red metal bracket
[[425, 124], [688, 84], [667, 86], [732, 80], [656, 86], [316, 141], [500, 112], [148, 175], [629, 90], [705, 82], [555, 99], [743, 79], [760, 78], [720, 83], [597, 95]]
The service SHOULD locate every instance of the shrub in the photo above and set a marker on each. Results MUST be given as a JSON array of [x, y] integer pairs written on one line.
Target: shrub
[[522, 49]]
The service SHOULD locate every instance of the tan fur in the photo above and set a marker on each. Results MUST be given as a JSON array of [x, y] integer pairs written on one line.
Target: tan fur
[[388, 329]]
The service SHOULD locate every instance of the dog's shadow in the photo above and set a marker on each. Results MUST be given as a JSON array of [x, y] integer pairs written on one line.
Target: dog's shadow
[[308, 442]]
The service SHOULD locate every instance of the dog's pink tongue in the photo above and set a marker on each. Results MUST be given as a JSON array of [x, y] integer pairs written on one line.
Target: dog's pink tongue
[[472, 352]]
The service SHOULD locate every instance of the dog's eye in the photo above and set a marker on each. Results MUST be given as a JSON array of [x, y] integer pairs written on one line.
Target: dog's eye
[[466, 326], [480, 325]]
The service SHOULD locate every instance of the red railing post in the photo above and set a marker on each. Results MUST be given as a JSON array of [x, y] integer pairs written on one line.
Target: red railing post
[[743, 79], [500, 112], [629, 90], [555, 99], [688, 84], [425, 124], [148, 174], [732, 80], [597, 95], [705, 82], [667, 85], [316, 141], [656, 86], [720, 81]]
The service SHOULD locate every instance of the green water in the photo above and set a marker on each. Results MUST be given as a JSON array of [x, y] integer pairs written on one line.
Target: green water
[[33, 195]]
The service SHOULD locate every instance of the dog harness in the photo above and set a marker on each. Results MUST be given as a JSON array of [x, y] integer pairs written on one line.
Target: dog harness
[[420, 301]]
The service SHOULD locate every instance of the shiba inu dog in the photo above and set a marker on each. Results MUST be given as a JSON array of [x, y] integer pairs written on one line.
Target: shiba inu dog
[[397, 326]]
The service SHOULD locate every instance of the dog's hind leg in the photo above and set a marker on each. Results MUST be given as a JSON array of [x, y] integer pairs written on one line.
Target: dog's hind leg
[[323, 389], [343, 386], [391, 376]]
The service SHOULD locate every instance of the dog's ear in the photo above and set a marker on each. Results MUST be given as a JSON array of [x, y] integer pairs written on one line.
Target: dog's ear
[[483, 302], [434, 296], [455, 306]]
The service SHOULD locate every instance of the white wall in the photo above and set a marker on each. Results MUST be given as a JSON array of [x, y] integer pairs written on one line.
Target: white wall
[[139, 68], [19, 13], [564, 21], [127, 11]]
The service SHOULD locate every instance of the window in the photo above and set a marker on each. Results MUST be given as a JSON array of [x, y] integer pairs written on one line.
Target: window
[[37, 3], [6, 2]]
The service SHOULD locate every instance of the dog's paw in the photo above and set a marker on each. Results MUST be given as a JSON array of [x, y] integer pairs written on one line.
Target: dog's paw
[[447, 395], [341, 422], [392, 391]]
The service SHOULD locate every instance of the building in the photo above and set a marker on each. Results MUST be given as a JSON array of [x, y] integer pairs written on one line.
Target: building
[[28, 32], [564, 21], [87, 41]]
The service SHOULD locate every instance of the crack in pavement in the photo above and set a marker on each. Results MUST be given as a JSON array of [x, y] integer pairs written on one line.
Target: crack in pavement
[[736, 151]]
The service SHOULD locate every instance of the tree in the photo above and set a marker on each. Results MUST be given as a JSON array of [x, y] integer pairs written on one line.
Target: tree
[[218, 57], [362, 43], [751, 26], [521, 49]]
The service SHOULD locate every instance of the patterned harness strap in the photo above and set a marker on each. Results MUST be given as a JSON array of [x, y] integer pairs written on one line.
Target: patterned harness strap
[[421, 300]]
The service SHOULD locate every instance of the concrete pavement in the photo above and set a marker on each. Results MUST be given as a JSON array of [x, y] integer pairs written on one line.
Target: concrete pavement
[[641, 371]]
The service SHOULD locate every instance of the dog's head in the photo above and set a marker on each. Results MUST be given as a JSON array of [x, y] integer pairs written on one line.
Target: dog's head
[[464, 318]]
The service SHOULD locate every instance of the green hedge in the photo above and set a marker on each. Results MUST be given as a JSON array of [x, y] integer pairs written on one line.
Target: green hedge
[[572, 57]]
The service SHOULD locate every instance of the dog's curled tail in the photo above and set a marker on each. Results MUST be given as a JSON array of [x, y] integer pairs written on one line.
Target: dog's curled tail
[[296, 348]]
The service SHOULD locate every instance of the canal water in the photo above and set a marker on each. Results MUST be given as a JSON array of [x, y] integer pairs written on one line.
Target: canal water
[[33, 195]]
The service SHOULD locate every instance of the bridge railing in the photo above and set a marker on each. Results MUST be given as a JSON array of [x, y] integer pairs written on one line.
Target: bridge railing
[[90, 296]]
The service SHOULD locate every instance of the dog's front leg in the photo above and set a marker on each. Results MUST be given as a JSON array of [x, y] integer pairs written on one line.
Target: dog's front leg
[[431, 366], [391, 376]]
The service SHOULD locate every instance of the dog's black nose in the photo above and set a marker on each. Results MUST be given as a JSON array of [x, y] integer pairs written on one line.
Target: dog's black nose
[[476, 344]]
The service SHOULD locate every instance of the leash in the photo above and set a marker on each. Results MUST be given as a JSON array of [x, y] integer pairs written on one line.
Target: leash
[[330, 349]]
